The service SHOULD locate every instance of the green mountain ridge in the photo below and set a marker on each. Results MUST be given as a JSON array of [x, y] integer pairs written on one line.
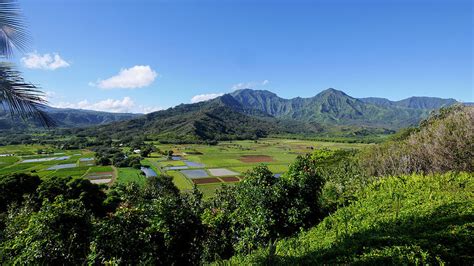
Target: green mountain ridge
[[64, 118], [336, 107], [249, 114]]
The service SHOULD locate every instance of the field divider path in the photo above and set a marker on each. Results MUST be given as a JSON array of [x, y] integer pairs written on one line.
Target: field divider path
[[115, 176]]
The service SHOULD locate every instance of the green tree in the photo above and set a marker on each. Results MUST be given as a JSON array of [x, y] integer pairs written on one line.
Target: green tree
[[91, 195], [59, 234], [14, 186]]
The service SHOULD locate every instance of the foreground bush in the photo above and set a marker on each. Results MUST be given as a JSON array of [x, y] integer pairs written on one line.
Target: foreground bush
[[444, 142], [398, 220]]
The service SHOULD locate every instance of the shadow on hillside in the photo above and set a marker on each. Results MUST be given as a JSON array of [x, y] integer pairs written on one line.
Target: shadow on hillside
[[446, 234]]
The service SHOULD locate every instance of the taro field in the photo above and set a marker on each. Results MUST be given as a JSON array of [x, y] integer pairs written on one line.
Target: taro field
[[209, 167], [46, 162]]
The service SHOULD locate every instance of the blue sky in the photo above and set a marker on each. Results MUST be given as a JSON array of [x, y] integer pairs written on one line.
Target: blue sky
[[142, 55]]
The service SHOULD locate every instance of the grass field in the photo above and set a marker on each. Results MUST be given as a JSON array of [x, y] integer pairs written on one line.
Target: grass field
[[126, 175]]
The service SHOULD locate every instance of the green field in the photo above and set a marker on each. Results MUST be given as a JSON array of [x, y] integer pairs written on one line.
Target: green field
[[127, 175], [279, 153], [228, 155]]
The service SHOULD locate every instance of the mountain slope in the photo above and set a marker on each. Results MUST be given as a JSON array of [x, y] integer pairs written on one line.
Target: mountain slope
[[248, 114], [64, 118], [335, 107], [219, 119], [429, 103]]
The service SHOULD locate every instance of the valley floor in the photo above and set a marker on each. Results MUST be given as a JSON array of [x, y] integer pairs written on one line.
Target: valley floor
[[207, 166]]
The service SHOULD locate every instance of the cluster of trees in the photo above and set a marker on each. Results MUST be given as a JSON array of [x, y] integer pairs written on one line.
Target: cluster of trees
[[115, 156], [71, 221]]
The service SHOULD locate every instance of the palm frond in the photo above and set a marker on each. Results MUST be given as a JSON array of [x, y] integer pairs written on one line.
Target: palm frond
[[13, 30], [20, 97]]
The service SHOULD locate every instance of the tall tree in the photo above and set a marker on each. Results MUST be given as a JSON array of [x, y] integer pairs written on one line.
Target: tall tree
[[16, 95]]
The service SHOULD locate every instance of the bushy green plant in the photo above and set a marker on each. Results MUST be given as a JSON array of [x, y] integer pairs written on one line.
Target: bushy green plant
[[413, 219]]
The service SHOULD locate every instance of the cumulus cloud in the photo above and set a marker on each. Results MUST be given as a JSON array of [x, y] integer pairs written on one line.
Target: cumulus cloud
[[45, 61], [250, 85], [128, 78], [125, 105], [205, 97]]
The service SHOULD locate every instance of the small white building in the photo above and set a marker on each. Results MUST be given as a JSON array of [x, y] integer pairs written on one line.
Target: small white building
[[136, 151]]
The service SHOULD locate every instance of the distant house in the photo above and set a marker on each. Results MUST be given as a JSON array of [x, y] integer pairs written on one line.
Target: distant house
[[137, 151]]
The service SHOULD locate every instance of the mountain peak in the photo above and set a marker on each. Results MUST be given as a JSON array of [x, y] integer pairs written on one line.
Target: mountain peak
[[254, 93], [332, 91]]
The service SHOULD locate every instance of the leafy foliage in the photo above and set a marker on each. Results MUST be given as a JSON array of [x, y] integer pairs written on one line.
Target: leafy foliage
[[444, 142], [399, 220], [59, 233], [14, 187]]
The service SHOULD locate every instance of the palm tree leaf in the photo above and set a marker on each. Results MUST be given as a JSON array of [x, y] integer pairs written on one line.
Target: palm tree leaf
[[13, 30], [22, 98]]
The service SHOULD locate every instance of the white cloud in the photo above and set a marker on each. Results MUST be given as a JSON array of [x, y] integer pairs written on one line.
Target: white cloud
[[250, 85], [128, 78], [125, 105], [45, 61], [205, 97], [148, 109]]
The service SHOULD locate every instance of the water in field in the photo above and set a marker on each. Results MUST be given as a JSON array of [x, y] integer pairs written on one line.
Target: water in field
[[148, 171], [195, 173], [176, 167], [86, 159], [62, 166], [221, 172], [47, 159], [39, 160], [193, 164]]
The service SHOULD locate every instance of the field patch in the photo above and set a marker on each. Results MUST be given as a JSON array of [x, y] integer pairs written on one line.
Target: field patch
[[128, 174], [193, 164], [195, 173], [100, 175], [62, 166], [230, 179], [180, 181], [39, 160], [100, 181], [176, 167], [221, 172], [256, 159], [207, 180], [173, 163]]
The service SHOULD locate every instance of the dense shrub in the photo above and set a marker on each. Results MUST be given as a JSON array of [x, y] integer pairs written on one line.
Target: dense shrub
[[444, 142], [13, 187], [58, 234], [398, 220], [91, 195]]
